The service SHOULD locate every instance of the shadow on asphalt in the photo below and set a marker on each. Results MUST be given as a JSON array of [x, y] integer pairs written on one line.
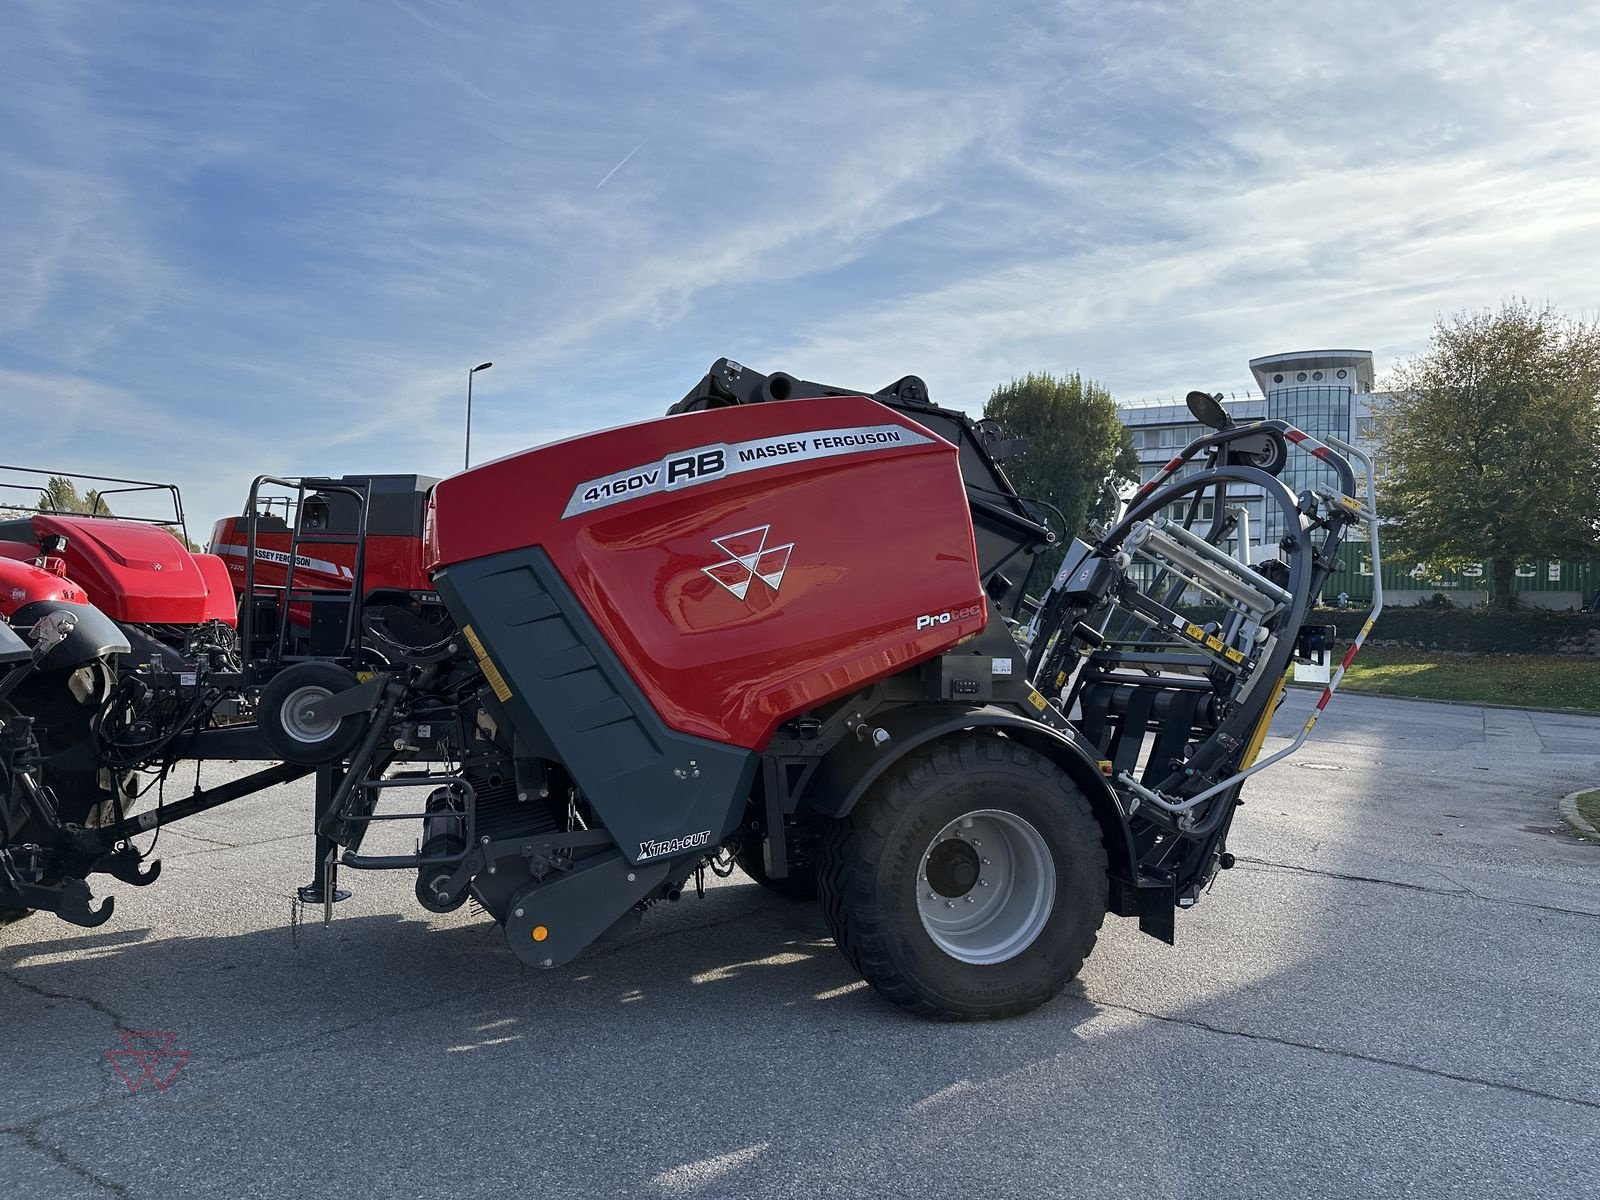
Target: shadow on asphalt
[[728, 1040], [739, 949]]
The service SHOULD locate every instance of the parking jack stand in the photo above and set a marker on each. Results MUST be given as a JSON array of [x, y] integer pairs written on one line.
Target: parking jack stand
[[324, 887]]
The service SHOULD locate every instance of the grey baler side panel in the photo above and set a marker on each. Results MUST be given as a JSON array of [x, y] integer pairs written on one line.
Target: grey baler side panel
[[566, 681]]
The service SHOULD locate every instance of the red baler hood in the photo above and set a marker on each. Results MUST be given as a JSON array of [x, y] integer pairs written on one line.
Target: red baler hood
[[745, 564], [137, 572]]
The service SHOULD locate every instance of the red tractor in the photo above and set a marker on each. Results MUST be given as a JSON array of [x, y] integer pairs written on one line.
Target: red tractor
[[789, 626]]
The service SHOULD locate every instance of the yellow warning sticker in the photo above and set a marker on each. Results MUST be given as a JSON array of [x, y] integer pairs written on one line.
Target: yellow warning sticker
[[490, 672], [1037, 699], [1061, 678], [1214, 643], [1196, 632]]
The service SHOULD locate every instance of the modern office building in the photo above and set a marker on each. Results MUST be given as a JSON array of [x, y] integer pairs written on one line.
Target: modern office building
[[1161, 428], [1327, 393]]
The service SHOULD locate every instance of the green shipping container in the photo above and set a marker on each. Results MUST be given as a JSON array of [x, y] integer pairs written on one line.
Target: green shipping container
[[1354, 577]]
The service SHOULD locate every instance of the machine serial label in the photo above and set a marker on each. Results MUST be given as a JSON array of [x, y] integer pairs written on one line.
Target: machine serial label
[[721, 459]]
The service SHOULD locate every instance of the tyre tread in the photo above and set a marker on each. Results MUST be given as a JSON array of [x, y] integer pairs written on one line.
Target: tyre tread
[[852, 847]]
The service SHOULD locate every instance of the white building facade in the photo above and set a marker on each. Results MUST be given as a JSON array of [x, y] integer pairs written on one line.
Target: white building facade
[[1327, 393]]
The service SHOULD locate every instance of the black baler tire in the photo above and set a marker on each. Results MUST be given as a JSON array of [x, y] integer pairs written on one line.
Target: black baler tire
[[798, 884], [868, 878], [10, 916], [331, 678]]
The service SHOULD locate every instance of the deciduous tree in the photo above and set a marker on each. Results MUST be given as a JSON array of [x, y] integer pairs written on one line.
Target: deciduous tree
[[1492, 442]]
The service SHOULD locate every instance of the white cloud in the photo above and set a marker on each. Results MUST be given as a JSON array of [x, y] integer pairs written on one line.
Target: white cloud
[[1273, 234], [257, 240]]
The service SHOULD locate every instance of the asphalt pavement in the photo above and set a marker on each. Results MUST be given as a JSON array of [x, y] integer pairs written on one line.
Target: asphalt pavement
[[1393, 994]]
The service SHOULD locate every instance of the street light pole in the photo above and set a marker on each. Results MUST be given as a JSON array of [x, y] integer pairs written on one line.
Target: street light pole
[[467, 458]]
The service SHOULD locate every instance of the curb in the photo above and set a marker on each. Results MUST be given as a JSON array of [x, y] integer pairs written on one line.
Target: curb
[[1570, 813], [1568, 712]]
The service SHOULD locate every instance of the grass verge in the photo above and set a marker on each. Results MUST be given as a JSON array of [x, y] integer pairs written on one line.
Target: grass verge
[[1588, 805], [1531, 680]]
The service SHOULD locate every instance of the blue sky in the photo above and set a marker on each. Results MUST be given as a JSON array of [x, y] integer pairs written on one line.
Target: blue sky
[[243, 238]]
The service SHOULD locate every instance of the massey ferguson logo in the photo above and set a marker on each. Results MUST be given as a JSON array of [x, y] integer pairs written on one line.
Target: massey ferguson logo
[[751, 559], [676, 845]]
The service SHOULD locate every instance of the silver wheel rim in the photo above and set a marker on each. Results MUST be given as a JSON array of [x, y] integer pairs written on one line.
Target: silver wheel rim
[[986, 886], [301, 727]]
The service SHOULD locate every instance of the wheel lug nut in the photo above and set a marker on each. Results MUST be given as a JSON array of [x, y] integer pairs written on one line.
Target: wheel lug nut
[[986, 862], [983, 883], [970, 900], [949, 903], [933, 895]]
